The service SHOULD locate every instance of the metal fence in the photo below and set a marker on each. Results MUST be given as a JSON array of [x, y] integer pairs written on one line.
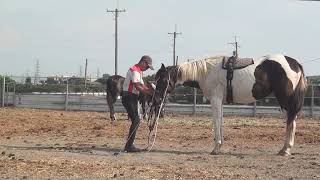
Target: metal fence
[[68, 95]]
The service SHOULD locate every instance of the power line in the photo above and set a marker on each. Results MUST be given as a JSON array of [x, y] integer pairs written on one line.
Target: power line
[[310, 60], [175, 33], [116, 15]]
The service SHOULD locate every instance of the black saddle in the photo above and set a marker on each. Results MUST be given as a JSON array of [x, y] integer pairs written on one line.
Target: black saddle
[[230, 64], [236, 63]]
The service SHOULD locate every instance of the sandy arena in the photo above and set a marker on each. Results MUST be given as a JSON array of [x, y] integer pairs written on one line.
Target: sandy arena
[[46, 144]]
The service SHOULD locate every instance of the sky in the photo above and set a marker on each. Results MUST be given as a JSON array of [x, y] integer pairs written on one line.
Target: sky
[[61, 34]]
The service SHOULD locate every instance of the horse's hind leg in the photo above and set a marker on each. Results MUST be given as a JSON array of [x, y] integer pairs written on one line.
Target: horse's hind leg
[[110, 101], [289, 142], [143, 107]]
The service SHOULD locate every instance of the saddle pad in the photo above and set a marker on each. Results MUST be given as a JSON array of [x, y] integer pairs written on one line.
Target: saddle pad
[[238, 63]]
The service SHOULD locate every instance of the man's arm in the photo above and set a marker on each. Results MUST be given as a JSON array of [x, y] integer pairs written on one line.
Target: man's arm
[[143, 89]]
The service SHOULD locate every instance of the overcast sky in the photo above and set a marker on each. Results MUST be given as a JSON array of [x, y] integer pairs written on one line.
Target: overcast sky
[[61, 34]]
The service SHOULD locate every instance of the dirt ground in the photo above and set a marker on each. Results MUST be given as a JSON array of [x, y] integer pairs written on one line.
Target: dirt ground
[[46, 144]]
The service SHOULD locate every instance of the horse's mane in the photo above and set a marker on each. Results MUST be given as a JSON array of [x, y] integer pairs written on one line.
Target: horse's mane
[[198, 69]]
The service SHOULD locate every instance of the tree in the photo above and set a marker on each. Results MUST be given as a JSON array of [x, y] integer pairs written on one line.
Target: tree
[[28, 80], [8, 80], [150, 78], [104, 78]]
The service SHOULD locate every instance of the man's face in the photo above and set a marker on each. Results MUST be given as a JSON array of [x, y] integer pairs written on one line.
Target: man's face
[[145, 66]]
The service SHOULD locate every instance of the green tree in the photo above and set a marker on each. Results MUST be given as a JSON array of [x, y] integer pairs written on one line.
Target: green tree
[[150, 78], [28, 80], [8, 80], [104, 78], [76, 81]]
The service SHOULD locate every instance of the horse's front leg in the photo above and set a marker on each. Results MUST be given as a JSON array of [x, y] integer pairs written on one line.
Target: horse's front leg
[[289, 142], [216, 103]]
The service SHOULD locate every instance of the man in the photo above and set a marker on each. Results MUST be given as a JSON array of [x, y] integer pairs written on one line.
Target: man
[[132, 86]]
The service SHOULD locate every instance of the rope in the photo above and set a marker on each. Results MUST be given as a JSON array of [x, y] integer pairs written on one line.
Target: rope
[[155, 124], [135, 129]]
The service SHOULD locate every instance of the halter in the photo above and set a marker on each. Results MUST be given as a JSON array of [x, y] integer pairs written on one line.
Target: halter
[[155, 122]]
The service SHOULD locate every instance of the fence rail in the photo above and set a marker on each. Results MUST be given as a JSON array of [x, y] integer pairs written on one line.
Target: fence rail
[[68, 97], [98, 103]]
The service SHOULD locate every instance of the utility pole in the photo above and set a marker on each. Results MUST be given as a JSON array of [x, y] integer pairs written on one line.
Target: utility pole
[[175, 33], [116, 15], [235, 44]]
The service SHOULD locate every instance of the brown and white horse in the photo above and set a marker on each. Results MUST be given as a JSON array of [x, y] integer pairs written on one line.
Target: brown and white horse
[[277, 74]]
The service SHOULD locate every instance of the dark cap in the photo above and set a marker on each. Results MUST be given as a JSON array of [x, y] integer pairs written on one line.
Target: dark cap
[[147, 59]]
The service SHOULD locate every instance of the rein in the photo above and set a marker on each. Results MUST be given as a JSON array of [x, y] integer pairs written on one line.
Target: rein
[[153, 124]]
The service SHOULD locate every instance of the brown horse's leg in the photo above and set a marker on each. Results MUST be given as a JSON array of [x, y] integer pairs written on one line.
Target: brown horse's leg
[[110, 101], [289, 142]]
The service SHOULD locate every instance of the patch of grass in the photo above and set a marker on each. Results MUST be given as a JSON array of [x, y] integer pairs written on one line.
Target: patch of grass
[[187, 121], [241, 122]]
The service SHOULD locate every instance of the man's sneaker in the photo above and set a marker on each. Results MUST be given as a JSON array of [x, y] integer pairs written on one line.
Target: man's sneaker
[[132, 149]]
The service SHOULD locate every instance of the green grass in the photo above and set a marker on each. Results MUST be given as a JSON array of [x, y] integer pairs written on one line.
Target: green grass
[[241, 122], [202, 121], [187, 121]]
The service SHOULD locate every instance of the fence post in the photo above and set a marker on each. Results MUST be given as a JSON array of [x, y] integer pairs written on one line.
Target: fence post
[[3, 91], [194, 101], [312, 100], [7, 95], [67, 97], [14, 95]]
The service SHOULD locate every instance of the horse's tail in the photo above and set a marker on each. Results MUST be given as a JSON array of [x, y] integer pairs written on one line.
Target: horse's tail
[[296, 101]]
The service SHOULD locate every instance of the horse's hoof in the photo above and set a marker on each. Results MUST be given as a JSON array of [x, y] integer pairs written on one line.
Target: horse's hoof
[[215, 152], [284, 153]]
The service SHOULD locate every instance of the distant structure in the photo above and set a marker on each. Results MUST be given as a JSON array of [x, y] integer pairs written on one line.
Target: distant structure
[[98, 73], [80, 72], [175, 33], [37, 73], [313, 80], [85, 73]]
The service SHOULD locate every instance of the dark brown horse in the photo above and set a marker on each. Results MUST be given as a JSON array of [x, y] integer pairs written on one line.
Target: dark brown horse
[[114, 89]]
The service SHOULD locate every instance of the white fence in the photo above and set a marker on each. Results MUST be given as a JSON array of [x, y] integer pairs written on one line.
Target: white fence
[[86, 102]]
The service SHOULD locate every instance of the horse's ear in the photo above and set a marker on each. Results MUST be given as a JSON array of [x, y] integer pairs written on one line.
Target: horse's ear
[[162, 66]]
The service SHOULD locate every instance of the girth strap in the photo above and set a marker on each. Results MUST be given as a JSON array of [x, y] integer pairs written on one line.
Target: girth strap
[[230, 64], [230, 69]]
